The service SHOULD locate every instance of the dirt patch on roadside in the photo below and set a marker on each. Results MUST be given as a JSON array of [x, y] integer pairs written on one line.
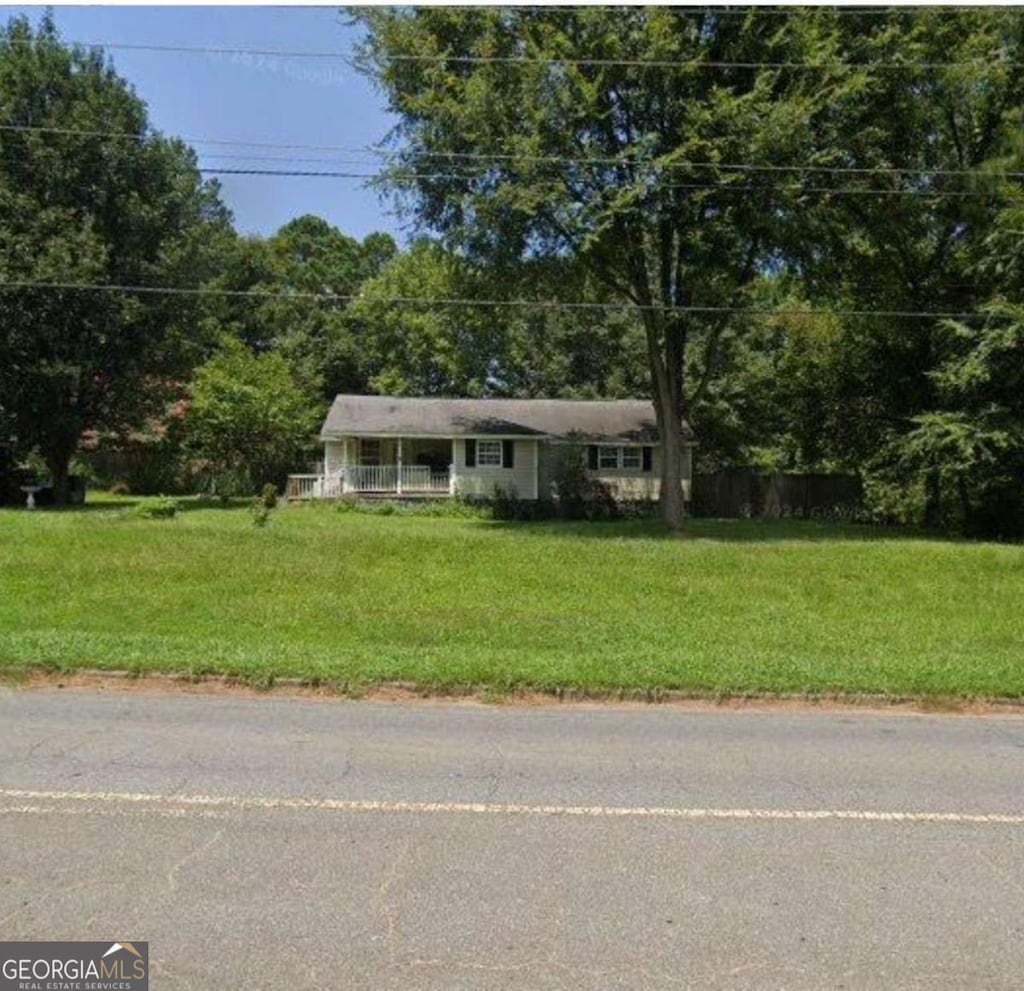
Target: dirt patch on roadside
[[220, 685]]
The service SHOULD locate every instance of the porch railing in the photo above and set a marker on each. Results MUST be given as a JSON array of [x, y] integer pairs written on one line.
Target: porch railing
[[301, 487], [370, 479]]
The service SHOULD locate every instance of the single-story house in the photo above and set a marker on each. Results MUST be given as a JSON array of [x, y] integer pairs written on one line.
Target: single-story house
[[389, 446]]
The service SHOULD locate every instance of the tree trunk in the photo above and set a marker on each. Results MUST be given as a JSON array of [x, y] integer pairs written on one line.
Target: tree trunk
[[671, 501], [670, 431], [965, 503], [932, 500], [666, 367], [58, 465]]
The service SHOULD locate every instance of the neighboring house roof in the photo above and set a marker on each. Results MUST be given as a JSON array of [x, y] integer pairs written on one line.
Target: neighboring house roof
[[592, 420]]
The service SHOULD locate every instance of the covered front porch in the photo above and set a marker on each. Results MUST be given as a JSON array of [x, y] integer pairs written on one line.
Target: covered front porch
[[413, 467]]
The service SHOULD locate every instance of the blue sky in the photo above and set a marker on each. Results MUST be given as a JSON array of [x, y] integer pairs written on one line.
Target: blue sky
[[300, 101]]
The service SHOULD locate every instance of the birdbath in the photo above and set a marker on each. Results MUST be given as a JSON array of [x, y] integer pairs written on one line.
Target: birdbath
[[30, 491]]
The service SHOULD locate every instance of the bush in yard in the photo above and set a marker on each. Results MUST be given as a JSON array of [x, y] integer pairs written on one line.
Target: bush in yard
[[506, 505], [643, 508], [268, 495], [225, 484], [162, 508], [893, 501], [577, 495], [247, 418], [260, 512]]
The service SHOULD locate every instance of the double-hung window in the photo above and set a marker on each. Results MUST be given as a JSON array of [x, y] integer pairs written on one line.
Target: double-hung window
[[605, 457], [488, 452], [631, 457]]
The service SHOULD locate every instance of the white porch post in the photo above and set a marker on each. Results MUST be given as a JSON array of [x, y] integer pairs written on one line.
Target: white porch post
[[451, 472], [399, 484]]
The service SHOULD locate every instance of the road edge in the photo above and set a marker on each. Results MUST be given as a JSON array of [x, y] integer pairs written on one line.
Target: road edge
[[164, 683]]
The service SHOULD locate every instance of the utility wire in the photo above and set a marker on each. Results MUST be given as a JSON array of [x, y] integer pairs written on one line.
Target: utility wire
[[456, 158], [689, 186], [129, 136], [692, 186], [702, 64], [744, 11], [607, 63], [540, 304], [533, 159]]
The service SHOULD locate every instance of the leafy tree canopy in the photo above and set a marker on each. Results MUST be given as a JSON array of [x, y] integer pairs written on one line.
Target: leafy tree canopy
[[558, 156], [688, 159], [77, 206], [248, 418], [306, 256]]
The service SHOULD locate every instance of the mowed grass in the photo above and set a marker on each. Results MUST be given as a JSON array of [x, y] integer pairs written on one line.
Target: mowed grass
[[732, 607]]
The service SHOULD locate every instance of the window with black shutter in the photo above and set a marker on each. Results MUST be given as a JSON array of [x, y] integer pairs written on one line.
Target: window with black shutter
[[592, 457], [647, 458], [470, 453], [508, 454]]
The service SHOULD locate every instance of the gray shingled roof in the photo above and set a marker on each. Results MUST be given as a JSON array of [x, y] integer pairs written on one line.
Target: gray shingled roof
[[593, 420]]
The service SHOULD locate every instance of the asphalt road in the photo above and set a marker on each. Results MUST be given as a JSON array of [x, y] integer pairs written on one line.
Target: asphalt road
[[271, 843]]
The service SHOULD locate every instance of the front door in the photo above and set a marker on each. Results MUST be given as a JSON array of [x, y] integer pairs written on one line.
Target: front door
[[369, 451]]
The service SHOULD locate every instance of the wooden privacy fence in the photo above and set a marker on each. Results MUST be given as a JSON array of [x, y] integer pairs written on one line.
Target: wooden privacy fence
[[746, 492]]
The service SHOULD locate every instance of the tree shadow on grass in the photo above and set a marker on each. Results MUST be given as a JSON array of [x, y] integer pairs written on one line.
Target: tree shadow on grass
[[106, 505], [720, 530], [186, 504]]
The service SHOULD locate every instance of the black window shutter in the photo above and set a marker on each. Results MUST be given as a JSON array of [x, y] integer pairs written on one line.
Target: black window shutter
[[592, 457], [508, 454], [470, 453], [647, 459]]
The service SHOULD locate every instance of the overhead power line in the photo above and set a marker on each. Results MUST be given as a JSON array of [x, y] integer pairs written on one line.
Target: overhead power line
[[231, 142], [484, 157], [532, 159], [444, 58], [538, 304], [723, 187], [608, 63], [745, 11]]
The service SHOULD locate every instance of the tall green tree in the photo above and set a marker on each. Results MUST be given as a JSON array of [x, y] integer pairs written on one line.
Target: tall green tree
[[307, 257], [924, 138], [571, 133], [971, 439], [408, 349], [80, 207], [474, 345], [592, 351], [973, 442], [247, 418]]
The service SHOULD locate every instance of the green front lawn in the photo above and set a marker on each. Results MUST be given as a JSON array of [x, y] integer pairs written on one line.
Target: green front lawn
[[735, 606]]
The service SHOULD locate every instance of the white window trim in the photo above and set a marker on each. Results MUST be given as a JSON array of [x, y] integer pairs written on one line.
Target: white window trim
[[493, 449], [604, 450]]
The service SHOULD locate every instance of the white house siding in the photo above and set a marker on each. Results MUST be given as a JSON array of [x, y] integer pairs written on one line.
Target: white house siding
[[334, 455], [547, 461], [630, 483], [532, 475], [483, 480]]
